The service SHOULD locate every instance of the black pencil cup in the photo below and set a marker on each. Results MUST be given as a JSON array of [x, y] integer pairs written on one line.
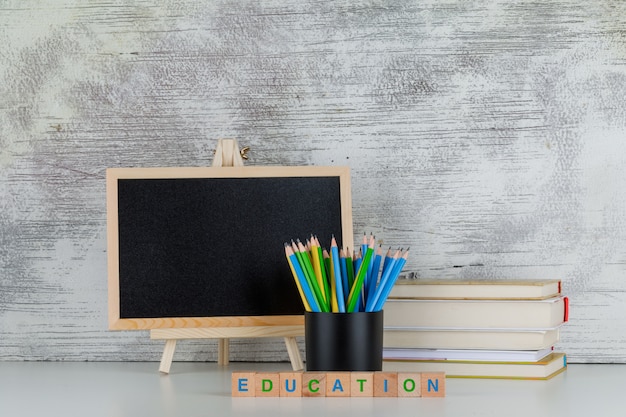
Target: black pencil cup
[[344, 341]]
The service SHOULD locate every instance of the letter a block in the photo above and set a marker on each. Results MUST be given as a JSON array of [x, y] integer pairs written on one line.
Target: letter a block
[[291, 384], [409, 384], [314, 384], [433, 384], [267, 384], [243, 384], [338, 384]]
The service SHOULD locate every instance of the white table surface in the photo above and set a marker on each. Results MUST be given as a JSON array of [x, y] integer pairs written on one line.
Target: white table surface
[[115, 389]]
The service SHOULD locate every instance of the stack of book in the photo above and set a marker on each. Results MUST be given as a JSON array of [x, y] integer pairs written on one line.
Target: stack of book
[[475, 329]]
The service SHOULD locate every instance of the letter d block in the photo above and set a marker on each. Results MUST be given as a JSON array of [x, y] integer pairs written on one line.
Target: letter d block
[[433, 384], [267, 384], [314, 384], [338, 384], [291, 384], [243, 384], [409, 384]]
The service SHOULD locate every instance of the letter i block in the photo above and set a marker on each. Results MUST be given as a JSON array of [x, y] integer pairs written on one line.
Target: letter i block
[[385, 384], [338, 384], [267, 384], [314, 384], [243, 384], [291, 384], [362, 384], [409, 384], [433, 384]]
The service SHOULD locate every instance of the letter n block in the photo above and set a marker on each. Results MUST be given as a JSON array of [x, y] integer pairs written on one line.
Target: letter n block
[[291, 384], [338, 384], [362, 384], [267, 384], [409, 384], [385, 384], [433, 384], [314, 384], [243, 384]]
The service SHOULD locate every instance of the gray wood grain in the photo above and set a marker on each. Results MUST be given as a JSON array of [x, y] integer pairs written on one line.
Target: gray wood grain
[[487, 136]]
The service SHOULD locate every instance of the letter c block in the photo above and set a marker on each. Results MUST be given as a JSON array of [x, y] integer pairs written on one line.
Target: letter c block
[[314, 384]]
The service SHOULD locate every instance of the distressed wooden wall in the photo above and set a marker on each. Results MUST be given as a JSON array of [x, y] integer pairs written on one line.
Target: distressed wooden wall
[[489, 136]]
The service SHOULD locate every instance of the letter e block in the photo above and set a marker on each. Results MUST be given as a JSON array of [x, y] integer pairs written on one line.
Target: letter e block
[[433, 384], [267, 384], [409, 384], [338, 384], [362, 384], [290, 384], [314, 384], [243, 384], [385, 384]]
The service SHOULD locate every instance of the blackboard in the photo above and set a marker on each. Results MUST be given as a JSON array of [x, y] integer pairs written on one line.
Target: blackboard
[[201, 247]]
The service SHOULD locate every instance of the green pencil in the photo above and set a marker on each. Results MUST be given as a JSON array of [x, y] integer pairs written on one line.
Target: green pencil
[[355, 292]]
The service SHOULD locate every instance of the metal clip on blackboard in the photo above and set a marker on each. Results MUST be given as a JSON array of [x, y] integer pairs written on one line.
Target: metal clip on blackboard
[[227, 154]]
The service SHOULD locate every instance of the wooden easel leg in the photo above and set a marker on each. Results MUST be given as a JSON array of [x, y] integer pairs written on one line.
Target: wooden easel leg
[[222, 352], [168, 355], [294, 353]]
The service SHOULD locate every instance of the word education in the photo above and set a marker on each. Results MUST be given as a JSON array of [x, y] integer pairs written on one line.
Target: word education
[[338, 384]]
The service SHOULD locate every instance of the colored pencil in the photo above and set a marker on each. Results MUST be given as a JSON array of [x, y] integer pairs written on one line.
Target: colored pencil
[[391, 281], [308, 271], [317, 268], [301, 281], [371, 303], [357, 287], [335, 263]]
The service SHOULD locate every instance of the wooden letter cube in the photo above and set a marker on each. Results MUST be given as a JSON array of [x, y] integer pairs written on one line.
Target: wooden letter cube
[[385, 384], [314, 384], [409, 384], [291, 384], [362, 384], [338, 384], [267, 384], [433, 384], [243, 384]]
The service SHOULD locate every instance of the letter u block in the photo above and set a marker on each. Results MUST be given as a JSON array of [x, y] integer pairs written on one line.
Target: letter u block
[[291, 384]]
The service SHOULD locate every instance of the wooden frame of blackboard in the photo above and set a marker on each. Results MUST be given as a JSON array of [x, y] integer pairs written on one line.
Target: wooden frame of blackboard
[[115, 175]]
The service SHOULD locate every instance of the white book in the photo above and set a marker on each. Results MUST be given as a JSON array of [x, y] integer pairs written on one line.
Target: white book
[[476, 289], [447, 338], [468, 354], [545, 368], [503, 314]]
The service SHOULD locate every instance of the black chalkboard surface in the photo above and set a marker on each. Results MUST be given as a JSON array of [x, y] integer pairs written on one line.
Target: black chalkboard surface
[[198, 247]]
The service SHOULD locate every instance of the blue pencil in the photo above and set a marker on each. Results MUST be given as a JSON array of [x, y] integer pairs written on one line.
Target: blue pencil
[[397, 268], [334, 257], [344, 273], [373, 280], [371, 302]]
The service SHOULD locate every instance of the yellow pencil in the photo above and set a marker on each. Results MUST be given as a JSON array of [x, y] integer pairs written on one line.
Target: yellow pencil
[[334, 306], [317, 267]]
